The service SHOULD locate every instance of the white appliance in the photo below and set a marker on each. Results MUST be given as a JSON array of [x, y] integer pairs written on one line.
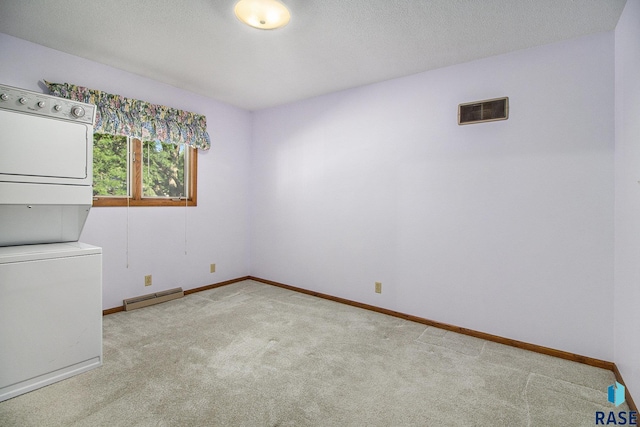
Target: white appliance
[[50, 284], [50, 314], [46, 146]]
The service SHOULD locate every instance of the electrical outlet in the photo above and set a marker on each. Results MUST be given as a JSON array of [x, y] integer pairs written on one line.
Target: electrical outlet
[[212, 268], [378, 287], [147, 280]]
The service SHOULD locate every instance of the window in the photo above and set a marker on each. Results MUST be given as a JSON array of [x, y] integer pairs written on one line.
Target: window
[[130, 172]]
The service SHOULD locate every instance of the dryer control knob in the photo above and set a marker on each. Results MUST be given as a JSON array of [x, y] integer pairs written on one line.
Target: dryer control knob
[[22, 100], [41, 104], [77, 112], [57, 107], [4, 96]]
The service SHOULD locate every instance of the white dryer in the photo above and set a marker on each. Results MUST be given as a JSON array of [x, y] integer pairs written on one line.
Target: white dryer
[[50, 284]]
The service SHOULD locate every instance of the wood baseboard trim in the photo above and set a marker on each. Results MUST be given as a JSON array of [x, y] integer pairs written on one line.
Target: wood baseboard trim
[[112, 310], [610, 366], [187, 292], [483, 335], [627, 395], [216, 285]]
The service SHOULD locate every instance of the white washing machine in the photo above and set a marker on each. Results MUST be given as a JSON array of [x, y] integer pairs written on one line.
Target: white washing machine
[[50, 284], [50, 314]]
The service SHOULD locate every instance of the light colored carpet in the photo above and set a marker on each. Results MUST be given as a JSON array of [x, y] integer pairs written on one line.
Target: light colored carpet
[[251, 354]]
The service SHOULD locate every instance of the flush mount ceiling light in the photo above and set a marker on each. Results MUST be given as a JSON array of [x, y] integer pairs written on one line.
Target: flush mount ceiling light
[[263, 14]]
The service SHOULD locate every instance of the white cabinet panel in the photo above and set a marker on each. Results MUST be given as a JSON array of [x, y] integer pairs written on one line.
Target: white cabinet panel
[[50, 318]]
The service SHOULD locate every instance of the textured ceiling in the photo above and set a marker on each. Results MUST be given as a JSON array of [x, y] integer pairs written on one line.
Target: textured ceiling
[[329, 45]]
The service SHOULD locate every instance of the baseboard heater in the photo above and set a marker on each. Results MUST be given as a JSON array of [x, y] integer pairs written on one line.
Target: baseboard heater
[[151, 299]]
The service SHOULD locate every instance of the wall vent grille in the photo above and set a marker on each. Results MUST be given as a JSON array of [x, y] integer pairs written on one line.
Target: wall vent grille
[[489, 110]]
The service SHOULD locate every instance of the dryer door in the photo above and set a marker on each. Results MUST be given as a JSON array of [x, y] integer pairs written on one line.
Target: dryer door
[[38, 149]]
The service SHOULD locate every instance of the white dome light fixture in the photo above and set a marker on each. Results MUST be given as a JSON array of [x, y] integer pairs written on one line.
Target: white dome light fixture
[[263, 14]]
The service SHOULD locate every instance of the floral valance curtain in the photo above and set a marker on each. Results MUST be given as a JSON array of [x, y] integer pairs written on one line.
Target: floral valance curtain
[[117, 115]]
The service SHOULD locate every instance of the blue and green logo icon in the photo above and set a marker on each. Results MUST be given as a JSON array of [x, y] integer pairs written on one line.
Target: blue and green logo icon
[[616, 393]]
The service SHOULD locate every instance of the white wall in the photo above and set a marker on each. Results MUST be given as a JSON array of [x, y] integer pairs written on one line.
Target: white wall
[[627, 207], [503, 227], [216, 230]]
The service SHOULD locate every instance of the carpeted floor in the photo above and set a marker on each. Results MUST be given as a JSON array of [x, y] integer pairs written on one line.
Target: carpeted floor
[[251, 354]]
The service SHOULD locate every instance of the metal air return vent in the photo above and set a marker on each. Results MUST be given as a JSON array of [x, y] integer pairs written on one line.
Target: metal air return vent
[[489, 110]]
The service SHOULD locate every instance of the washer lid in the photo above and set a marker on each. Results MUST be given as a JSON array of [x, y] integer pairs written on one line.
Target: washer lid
[[24, 253]]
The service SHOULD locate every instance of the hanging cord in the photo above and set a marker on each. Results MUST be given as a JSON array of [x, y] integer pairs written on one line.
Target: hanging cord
[[148, 157], [185, 178], [186, 200], [133, 154], [128, 230]]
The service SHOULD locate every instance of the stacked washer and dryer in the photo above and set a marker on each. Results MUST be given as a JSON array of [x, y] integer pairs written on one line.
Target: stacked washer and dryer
[[50, 283]]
